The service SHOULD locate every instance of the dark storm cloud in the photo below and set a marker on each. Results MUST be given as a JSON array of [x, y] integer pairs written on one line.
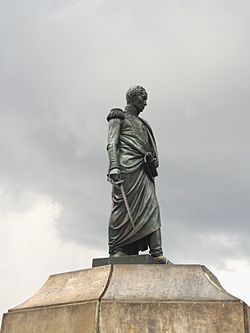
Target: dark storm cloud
[[65, 64]]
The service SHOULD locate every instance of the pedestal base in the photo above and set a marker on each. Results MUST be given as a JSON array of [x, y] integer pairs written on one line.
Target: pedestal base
[[131, 299]]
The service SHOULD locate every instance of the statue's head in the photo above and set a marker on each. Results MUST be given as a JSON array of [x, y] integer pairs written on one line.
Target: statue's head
[[137, 97]]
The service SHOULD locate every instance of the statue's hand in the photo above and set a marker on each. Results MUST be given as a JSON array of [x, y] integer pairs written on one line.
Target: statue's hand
[[115, 174]]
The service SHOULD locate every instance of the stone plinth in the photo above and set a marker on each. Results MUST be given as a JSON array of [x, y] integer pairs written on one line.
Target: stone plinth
[[131, 299]]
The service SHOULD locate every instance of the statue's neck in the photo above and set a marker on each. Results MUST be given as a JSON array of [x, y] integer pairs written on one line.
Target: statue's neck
[[132, 110]]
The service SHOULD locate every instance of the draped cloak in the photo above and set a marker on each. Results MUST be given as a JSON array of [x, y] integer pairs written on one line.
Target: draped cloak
[[129, 140]]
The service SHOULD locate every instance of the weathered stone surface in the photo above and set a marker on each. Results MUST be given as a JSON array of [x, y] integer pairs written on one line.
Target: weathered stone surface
[[171, 317], [73, 318], [165, 283], [131, 299], [72, 287]]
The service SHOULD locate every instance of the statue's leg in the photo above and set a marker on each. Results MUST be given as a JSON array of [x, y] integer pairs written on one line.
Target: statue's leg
[[154, 242], [131, 249], [117, 252]]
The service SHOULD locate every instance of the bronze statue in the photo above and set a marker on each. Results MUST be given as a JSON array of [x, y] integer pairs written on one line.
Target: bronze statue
[[135, 223]]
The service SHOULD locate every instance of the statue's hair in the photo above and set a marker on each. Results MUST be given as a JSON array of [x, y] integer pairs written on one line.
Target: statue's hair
[[134, 91]]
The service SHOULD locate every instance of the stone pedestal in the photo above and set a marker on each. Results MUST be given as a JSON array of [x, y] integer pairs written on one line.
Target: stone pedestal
[[134, 298]]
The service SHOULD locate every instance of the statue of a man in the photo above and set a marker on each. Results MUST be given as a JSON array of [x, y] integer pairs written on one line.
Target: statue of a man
[[135, 223]]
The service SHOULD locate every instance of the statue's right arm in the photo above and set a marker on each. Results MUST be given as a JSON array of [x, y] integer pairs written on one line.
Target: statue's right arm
[[113, 147]]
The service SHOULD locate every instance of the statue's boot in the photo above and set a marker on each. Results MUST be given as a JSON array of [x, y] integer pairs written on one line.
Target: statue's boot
[[155, 247], [160, 259]]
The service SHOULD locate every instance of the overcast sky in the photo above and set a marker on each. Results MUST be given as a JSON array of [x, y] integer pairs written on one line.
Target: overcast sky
[[63, 65]]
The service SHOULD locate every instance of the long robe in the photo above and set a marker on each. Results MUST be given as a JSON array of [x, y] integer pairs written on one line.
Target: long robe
[[129, 140]]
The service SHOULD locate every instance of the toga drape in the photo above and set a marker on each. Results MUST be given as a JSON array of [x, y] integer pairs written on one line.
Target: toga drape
[[129, 139]]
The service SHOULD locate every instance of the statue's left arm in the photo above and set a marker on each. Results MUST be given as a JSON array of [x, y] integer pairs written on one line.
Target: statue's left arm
[[155, 158]]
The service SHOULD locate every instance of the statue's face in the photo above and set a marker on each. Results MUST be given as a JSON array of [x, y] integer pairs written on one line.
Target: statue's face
[[140, 101]]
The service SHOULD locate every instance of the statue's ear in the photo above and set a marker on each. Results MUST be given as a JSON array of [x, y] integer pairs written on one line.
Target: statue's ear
[[134, 96], [115, 113]]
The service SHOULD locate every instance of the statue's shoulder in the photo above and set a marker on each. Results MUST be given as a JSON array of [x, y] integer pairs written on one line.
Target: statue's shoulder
[[116, 114], [145, 122]]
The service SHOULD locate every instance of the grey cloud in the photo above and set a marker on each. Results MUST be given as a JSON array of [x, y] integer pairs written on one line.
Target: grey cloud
[[65, 64]]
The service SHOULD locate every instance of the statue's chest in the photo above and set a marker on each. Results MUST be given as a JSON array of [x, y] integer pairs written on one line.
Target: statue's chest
[[138, 127]]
